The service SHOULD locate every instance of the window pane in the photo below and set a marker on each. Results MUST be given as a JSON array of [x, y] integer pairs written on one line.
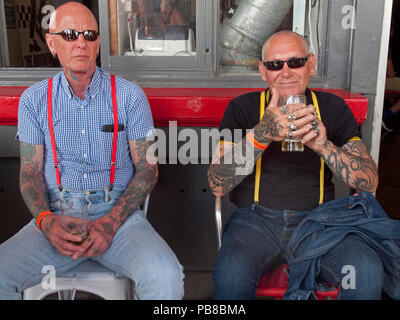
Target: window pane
[[244, 27], [27, 22], [152, 27], [26, 41]]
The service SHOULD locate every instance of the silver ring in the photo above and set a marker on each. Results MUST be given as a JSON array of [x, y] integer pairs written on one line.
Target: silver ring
[[289, 135], [284, 109], [315, 126], [316, 130], [291, 116], [292, 126]]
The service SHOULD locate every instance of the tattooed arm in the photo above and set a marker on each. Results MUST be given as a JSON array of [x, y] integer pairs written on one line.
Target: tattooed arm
[[102, 231], [144, 180], [34, 192], [231, 163], [226, 172], [31, 180], [350, 163], [353, 164]]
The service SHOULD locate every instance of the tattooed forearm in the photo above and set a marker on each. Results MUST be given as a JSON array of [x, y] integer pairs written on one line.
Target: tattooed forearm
[[230, 165], [268, 128], [143, 182], [32, 184], [222, 178], [352, 164], [225, 172]]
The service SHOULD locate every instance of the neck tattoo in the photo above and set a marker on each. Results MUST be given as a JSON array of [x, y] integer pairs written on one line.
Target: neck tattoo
[[74, 75]]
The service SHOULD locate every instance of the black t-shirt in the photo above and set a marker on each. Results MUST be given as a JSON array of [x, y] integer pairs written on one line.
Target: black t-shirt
[[289, 180]]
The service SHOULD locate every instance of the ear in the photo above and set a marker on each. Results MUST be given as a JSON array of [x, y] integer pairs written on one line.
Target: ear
[[312, 62], [50, 44], [262, 70]]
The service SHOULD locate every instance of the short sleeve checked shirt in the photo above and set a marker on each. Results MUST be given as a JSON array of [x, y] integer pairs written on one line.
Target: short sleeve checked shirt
[[83, 149]]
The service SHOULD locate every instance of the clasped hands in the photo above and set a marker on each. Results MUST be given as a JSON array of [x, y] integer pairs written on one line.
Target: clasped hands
[[96, 243]]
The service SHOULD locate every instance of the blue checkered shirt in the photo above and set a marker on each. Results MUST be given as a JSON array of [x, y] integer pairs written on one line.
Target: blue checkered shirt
[[83, 149]]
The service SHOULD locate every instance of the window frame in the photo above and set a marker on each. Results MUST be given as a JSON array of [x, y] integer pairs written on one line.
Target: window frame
[[3, 38], [156, 63], [203, 70]]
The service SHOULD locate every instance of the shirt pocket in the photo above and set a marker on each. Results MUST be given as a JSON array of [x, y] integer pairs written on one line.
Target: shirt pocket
[[106, 144]]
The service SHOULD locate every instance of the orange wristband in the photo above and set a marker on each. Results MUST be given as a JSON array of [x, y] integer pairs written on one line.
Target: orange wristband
[[255, 143], [41, 216]]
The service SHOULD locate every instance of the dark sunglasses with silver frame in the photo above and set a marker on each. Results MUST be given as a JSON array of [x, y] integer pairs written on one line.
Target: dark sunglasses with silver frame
[[293, 63], [72, 35]]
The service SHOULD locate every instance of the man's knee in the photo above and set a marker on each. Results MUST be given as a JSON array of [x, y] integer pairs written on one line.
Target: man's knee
[[161, 281], [233, 272], [171, 280], [362, 276], [356, 268], [368, 268], [230, 263]]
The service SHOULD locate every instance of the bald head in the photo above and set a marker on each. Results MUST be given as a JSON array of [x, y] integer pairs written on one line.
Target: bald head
[[289, 36], [77, 54], [284, 46], [65, 13]]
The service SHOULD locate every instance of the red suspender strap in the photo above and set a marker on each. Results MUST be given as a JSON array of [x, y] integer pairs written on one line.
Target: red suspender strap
[[51, 128], [115, 134]]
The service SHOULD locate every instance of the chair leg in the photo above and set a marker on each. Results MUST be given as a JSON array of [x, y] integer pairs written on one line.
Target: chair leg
[[66, 294]]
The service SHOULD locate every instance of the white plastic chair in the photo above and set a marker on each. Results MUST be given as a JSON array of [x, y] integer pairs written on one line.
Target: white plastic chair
[[88, 276]]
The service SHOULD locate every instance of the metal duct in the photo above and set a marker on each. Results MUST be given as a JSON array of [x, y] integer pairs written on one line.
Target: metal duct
[[247, 24]]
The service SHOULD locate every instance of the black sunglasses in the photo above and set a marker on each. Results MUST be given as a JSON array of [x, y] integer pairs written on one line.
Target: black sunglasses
[[72, 35], [293, 63]]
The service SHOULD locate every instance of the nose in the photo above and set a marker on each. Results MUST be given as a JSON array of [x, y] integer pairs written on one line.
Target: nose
[[81, 41], [286, 70]]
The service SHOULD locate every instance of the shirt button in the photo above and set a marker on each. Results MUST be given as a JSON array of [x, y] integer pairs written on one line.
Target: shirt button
[[82, 107], [85, 155], [83, 131], [85, 175]]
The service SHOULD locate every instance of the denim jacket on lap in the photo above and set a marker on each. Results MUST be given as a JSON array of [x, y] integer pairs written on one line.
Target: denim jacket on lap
[[324, 227]]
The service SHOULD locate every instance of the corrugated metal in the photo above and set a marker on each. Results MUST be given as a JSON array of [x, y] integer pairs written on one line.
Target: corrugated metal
[[246, 26]]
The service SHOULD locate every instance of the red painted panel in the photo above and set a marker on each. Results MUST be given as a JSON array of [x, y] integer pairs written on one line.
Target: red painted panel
[[9, 98], [187, 106]]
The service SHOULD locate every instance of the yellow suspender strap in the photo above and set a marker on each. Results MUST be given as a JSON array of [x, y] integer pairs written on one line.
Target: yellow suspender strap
[[258, 165], [322, 170]]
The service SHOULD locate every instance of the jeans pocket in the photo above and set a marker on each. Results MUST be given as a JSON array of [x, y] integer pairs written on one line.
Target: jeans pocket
[[98, 209]]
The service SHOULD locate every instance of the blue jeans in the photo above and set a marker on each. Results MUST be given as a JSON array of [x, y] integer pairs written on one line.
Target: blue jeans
[[137, 252], [253, 243]]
